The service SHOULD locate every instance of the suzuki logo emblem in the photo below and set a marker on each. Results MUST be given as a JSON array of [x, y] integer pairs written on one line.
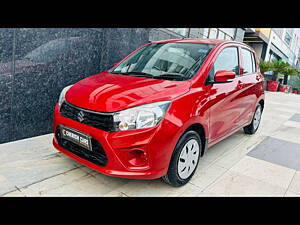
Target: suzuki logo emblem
[[80, 116]]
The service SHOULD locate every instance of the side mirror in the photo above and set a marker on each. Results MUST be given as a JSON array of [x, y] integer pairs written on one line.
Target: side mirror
[[224, 76]]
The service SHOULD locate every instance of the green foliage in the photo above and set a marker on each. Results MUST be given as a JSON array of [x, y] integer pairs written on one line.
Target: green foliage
[[265, 66], [290, 71], [278, 67]]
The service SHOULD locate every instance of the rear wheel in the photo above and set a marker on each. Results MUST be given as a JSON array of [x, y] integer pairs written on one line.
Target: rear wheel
[[184, 160], [253, 126]]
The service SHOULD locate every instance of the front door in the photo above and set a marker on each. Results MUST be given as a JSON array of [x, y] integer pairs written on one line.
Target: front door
[[224, 97]]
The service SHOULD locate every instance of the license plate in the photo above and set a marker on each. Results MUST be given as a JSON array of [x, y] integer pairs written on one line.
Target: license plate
[[76, 137]]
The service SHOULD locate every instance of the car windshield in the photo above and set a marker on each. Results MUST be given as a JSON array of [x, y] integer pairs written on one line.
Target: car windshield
[[173, 61]]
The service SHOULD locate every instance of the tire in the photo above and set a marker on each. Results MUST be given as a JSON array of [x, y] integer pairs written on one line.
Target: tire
[[186, 155], [253, 126]]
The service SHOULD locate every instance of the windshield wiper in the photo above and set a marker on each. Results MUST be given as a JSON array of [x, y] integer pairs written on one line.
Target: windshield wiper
[[172, 76], [176, 76], [136, 74]]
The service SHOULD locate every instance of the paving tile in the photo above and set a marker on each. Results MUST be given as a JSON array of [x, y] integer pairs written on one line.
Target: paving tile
[[206, 176], [15, 194], [295, 184], [231, 158], [153, 188], [290, 123], [34, 143], [5, 185], [279, 152], [287, 133], [75, 183], [295, 117], [288, 109], [268, 127], [21, 173], [291, 194], [207, 194], [224, 146], [236, 184], [264, 171], [272, 115]]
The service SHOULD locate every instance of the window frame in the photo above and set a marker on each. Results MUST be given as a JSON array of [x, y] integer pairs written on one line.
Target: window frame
[[253, 60], [254, 63], [231, 45]]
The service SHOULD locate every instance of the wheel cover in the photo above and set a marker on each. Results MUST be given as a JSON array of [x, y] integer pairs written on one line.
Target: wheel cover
[[257, 118], [188, 159]]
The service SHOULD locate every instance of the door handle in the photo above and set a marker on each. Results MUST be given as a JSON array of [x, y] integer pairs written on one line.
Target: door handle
[[240, 84]]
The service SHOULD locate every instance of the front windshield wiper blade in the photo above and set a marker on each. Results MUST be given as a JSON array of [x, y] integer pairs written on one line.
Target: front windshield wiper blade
[[172, 76], [136, 74]]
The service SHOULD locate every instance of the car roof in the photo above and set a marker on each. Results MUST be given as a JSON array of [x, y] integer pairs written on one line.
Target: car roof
[[204, 41]]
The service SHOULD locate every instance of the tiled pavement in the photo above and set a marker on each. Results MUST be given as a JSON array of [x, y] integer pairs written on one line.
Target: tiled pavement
[[264, 164]]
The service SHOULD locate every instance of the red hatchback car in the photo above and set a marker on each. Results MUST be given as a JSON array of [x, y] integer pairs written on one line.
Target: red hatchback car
[[155, 113]]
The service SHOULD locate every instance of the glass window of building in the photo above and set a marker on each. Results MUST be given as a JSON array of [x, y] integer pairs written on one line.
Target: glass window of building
[[221, 35], [287, 38], [205, 32], [229, 31], [213, 33], [181, 31], [278, 31]]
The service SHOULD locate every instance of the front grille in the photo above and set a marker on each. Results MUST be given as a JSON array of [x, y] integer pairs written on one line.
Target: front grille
[[92, 118], [97, 156]]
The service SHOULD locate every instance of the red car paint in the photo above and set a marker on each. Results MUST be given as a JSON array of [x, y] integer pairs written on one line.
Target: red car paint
[[220, 109]]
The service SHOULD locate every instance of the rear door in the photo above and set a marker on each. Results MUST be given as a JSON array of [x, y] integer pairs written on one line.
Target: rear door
[[248, 80]]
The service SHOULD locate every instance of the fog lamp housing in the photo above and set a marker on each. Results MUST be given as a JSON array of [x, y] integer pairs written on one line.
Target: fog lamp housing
[[137, 158]]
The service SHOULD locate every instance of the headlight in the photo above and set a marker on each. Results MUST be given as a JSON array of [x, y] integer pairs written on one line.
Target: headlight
[[144, 116], [62, 95]]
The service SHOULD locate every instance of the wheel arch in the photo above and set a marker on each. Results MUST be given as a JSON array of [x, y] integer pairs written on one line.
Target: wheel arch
[[199, 128], [262, 103]]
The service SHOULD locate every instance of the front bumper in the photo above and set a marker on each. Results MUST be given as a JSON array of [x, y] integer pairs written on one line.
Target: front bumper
[[157, 143]]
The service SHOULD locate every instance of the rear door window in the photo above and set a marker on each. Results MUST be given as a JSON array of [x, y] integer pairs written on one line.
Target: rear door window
[[247, 61]]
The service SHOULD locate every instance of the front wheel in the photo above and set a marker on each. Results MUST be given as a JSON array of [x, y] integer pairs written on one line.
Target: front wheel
[[184, 160], [253, 126]]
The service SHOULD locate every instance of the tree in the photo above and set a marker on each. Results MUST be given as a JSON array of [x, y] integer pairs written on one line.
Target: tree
[[278, 67], [289, 71], [265, 66]]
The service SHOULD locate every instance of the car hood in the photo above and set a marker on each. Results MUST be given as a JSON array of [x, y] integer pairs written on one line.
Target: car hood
[[106, 92]]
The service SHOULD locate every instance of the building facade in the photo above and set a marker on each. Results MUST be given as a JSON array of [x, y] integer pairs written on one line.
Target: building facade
[[275, 44], [236, 34]]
